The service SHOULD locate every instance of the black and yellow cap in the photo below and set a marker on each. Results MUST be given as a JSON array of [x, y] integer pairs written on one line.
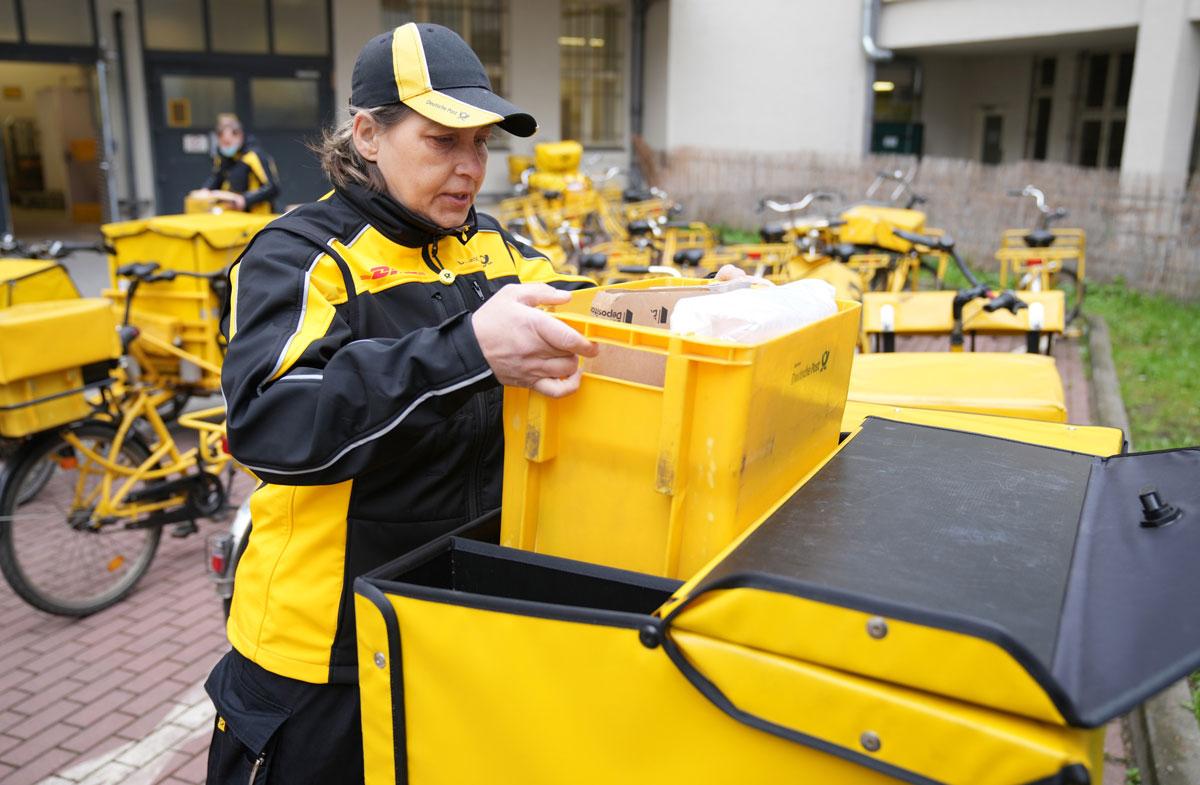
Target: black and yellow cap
[[431, 70]]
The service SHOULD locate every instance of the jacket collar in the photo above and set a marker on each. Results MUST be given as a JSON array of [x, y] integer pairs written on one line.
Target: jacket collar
[[399, 224]]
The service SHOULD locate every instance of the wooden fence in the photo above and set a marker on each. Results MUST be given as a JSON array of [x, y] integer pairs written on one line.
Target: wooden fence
[[1138, 229]]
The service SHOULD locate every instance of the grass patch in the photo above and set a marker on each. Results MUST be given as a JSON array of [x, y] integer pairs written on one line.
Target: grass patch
[[1194, 683], [1156, 350], [731, 235]]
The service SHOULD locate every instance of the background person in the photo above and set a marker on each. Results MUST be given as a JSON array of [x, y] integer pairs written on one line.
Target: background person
[[369, 336], [243, 176]]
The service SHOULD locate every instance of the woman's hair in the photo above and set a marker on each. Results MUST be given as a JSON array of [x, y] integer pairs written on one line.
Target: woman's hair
[[340, 158], [228, 119]]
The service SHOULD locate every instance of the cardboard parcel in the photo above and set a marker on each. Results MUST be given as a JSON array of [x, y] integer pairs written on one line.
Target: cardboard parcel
[[645, 308]]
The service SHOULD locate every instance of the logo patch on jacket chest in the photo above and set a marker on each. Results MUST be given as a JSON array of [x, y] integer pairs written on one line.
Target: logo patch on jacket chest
[[384, 271]]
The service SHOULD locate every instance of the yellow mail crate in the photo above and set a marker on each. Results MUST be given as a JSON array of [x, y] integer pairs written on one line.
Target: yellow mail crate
[[183, 313], [558, 157], [49, 353], [659, 478]]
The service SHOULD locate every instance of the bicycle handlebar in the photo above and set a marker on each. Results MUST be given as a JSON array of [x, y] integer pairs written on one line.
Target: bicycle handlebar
[[50, 249], [795, 207], [1007, 300]]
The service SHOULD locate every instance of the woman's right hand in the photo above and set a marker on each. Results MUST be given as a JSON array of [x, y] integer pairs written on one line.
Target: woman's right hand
[[527, 347]]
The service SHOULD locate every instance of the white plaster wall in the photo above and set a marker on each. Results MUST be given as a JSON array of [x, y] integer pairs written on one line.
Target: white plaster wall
[[654, 99], [533, 65], [767, 75], [532, 79], [960, 91], [354, 23], [909, 24], [1163, 95]]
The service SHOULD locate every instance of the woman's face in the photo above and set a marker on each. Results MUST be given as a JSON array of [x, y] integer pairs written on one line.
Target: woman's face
[[429, 168], [230, 136]]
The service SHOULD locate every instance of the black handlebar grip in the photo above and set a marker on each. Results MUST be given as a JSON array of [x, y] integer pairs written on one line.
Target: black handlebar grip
[[1006, 300]]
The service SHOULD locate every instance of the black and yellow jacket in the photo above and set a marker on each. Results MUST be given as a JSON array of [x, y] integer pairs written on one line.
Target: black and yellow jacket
[[372, 420], [249, 172]]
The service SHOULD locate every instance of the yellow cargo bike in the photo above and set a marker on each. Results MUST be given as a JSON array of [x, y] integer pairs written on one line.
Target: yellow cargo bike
[[921, 604], [93, 472]]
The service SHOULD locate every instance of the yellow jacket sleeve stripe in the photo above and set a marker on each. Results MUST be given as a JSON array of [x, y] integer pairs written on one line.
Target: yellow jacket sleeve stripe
[[316, 314]]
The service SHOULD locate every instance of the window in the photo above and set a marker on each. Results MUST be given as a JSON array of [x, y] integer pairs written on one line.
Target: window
[[479, 22], [174, 24], [592, 72], [238, 26], [301, 27], [1100, 128], [1037, 138], [893, 89], [60, 22], [282, 27], [8, 21], [195, 101], [285, 103]]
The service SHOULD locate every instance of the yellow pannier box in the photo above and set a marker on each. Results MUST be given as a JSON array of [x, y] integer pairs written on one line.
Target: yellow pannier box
[[34, 281], [557, 157], [180, 318], [659, 478], [871, 225], [517, 164], [1010, 385], [50, 353], [930, 606]]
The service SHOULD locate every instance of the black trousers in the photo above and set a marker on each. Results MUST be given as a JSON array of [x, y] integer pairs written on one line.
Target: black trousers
[[272, 730]]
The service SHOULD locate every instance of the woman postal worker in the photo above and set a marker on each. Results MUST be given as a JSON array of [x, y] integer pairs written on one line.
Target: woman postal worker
[[369, 336]]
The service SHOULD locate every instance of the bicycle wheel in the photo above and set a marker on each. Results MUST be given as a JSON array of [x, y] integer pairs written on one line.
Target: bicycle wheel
[[1075, 291], [53, 551]]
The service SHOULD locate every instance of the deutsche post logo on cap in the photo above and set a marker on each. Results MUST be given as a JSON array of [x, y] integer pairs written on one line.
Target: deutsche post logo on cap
[[433, 71]]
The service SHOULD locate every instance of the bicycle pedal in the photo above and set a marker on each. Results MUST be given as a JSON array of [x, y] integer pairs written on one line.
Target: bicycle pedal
[[184, 528]]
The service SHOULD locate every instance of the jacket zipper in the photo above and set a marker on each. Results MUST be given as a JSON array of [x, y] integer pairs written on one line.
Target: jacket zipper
[[478, 408], [257, 765]]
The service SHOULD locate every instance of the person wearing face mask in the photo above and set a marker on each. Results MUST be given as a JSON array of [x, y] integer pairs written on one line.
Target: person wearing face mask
[[243, 176], [369, 336]]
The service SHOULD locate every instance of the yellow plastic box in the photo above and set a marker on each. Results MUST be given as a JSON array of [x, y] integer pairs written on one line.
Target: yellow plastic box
[[1009, 385], [659, 479], [558, 157], [49, 352], [34, 280], [182, 314], [872, 225]]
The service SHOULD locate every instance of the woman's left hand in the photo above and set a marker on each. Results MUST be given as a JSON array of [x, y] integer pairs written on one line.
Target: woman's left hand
[[730, 272]]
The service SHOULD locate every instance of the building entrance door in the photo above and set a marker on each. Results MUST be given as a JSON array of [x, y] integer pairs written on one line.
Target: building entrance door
[[283, 108], [993, 135]]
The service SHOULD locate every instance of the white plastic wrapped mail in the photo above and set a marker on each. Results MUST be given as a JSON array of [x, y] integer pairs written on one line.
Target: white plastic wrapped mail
[[754, 315]]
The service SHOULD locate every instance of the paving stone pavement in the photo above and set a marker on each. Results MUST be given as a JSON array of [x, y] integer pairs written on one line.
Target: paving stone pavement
[[117, 697]]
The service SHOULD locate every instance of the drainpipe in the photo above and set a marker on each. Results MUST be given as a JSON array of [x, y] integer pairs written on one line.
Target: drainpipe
[[132, 208], [875, 54], [637, 91], [870, 22]]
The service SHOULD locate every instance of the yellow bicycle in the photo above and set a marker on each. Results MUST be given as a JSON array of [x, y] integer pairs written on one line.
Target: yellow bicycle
[[82, 506]]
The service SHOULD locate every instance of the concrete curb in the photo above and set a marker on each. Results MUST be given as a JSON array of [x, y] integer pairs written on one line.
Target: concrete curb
[[1163, 731]]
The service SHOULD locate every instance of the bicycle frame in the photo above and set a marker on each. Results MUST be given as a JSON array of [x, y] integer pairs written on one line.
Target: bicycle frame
[[109, 498]]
